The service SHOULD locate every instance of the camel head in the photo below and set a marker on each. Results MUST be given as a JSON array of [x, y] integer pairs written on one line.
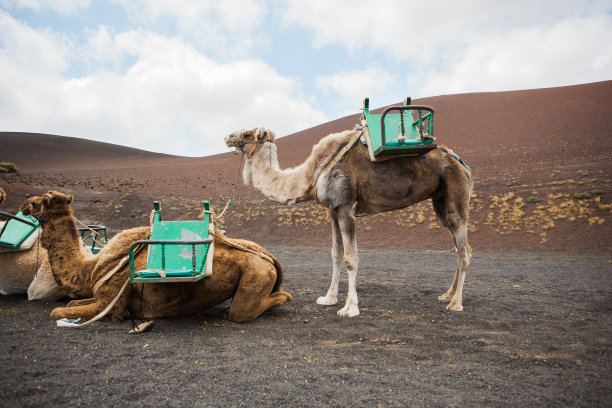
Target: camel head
[[247, 141], [2, 196], [43, 206]]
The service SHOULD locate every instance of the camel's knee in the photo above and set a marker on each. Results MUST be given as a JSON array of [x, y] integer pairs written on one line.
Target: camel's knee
[[351, 261]]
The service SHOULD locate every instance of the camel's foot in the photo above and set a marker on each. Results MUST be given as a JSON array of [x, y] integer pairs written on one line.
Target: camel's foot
[[349, 310], [63, 313], [327, 300], [280, 298], [446, 297], [455, 306]]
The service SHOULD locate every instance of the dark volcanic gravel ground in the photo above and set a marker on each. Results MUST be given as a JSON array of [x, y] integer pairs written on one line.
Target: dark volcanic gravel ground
[[536, 331]]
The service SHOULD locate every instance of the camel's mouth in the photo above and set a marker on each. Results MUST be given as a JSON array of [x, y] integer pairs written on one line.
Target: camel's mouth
[[235, 141], [26, 208]]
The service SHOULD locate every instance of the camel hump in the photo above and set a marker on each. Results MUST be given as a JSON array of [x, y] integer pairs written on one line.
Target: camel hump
[[253, 247]]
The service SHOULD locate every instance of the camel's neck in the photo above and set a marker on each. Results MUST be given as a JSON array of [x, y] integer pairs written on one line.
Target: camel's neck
[[283, 186], [69, 261]]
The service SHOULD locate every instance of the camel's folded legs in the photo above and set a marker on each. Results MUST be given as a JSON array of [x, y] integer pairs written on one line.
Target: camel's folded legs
[[331, 298]]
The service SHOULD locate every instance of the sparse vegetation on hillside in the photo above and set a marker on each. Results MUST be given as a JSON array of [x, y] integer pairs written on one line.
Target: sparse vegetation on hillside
[[6, 167]]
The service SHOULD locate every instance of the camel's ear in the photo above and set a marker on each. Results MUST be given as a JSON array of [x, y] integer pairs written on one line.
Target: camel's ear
[[270, 136], [69, 198]]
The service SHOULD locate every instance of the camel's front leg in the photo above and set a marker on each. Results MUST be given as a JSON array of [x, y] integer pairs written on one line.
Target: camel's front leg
[[85, 312], [331, 298], [80, 302], [346, 221]]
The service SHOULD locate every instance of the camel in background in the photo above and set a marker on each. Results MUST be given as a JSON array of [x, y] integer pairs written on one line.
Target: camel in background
[[19, 268], [356, 186], [251, 278]]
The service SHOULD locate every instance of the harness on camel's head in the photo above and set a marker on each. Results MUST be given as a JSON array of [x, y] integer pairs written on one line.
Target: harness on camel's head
[[260, 133]]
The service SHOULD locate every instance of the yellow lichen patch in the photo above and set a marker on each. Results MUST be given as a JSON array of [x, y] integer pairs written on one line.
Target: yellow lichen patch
[[509, 213]]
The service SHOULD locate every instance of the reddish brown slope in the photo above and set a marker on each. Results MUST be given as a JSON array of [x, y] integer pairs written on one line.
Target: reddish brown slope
[[541, 160]]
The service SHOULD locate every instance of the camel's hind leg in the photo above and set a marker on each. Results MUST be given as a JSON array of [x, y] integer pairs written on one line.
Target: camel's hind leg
[[454, 295], [457, 226], [346, 221], [254, 294], [331, 298]]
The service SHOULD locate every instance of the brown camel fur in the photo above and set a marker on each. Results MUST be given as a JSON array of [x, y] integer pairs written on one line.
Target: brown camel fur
[[250, 280], [355, 186]]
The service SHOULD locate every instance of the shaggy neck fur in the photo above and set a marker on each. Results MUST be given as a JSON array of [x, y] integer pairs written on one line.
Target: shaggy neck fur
[[65, 250], [291, 185]]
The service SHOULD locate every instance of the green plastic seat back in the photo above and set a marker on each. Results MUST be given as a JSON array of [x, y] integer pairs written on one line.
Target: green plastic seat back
[[392, 122], [393, 143], [15, 232], [177, 260]]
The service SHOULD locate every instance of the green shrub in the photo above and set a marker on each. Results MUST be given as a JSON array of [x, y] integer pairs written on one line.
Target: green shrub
[[6, 167], [533, 200], [582, 196]]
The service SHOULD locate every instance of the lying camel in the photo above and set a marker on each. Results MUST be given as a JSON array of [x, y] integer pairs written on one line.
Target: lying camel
[[19, 268], [250, 277]]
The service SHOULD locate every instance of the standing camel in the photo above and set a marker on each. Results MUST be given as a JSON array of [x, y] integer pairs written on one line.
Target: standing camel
[[356, 186], [242, 271]]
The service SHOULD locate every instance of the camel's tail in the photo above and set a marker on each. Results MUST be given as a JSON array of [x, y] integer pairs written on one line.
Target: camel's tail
[[252, 247], [279, 273]]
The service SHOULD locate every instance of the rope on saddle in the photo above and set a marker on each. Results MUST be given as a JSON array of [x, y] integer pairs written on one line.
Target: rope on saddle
[[337, 158], [233, 189], [110, 273], [241, 248], [87, 226], [342, 152]]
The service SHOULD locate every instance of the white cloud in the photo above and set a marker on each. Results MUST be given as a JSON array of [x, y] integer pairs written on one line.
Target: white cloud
[[351, 87], [171, 98], [465, 46], [571, 51], [65, 7], [424, 31], [227, 27]]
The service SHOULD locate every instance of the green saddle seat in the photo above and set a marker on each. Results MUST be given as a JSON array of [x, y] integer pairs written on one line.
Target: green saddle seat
[[16, 230], [178, 251], [390, 135]]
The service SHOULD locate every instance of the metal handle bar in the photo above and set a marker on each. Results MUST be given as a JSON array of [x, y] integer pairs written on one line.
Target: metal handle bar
[[163, 243], [399, 108], [11, 216]]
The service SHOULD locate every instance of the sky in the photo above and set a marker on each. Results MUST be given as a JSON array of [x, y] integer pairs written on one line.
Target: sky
[[176, 76]]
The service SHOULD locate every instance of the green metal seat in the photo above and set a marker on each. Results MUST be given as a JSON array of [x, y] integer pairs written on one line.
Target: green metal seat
[[16, 230], [91, 232], [178, 251], [390, 135]]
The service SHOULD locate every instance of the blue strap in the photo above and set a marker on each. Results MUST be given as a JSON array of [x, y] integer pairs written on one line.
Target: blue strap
[[460, 161]]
